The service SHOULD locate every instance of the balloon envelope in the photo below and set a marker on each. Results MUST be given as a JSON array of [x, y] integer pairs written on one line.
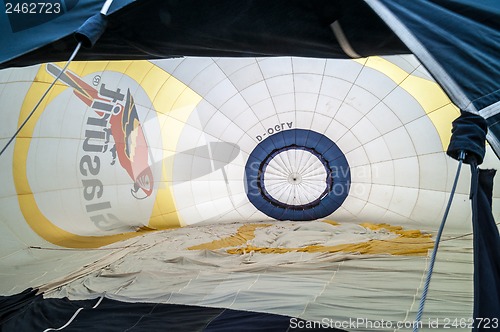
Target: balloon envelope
[[120, 149]]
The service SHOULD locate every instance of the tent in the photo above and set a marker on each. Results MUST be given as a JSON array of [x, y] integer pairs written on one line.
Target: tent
[[236, 122]]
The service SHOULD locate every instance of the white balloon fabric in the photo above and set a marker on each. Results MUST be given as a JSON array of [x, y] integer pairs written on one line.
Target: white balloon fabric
[[120, 149]]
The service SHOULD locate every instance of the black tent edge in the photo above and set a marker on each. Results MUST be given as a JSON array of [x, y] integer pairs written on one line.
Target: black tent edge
[[29, 311]]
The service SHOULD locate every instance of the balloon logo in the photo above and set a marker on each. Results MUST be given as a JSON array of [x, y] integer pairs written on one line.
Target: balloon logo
[[117, 115], [94, 160]]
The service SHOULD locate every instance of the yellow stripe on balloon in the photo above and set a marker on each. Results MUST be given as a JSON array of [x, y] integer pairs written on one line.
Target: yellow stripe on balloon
[[428, 94]]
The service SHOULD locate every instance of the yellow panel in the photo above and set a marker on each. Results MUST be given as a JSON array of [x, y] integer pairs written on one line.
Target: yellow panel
[[166, 104], [153, 82], [168, 94], [244, 234], [395, 73], [442, 119], [331, 222], [118, 66], [138, 70], [427, 93], [408, 243]]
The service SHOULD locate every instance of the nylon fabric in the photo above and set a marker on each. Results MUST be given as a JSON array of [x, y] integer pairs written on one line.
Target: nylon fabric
[[297, 284], [162, 29], [468, 135], [486, 252], [111, 315]]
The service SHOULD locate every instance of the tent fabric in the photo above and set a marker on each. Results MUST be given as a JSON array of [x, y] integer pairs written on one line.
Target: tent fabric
[[161, 29], [469, 136], [459, 43], [53, 25], [11, 305], [486, 253], [37, 314], [93, 28]]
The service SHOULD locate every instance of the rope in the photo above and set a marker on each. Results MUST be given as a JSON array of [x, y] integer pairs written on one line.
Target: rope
[[436, 246], [77, 48]]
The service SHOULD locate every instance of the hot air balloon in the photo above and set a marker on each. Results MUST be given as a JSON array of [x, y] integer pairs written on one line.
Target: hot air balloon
[[293, 188]]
